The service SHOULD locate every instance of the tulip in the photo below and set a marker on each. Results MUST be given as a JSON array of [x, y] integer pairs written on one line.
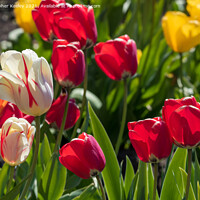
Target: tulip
[[76, 23], [43, 17], [23, 16], [181, 32], [193, 8], [117, 58], [55, 113], [151, 139], [16, 138], [182, 117], [26, 81], [83, 156], [139, 55], [8, 110], [68, 64]]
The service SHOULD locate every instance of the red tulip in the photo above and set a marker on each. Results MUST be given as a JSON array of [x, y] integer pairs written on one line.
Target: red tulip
[[117, 58], [83, 156], [55, 113], [182, 116], [68, 64], [8, 110], [151, 139], [76, 23], [43, 17]]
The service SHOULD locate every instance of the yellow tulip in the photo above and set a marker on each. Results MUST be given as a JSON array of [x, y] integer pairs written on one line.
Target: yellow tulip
[[181, 32], [23, 14], [139, 55], [193, 8]]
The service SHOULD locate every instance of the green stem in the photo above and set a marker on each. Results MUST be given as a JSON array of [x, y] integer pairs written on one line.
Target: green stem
[[84, 97], [119, 139], [12, 170], [181, 74], [28, 182], [189, 173], [59, 137], [155, 180], [101, 187], [56, 90]]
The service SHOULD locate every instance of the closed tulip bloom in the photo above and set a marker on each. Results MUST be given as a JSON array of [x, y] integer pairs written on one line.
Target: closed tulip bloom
[[83, 156], [183, 117], [43, 18], [150, 139], [8, 110], [23, 16], [68, 64], [76, 23], [181, 32], [117, 58], [55, 113], [16, 138], [26, 81], [193, 8]]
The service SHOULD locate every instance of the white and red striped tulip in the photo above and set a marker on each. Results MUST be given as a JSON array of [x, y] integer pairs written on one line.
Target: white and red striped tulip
[[16, 138], [26, 81]]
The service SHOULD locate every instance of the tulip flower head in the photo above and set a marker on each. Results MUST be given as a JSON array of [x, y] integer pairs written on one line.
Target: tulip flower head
[[117, 58], [23, 16], [68, 63], [16, 138], [83, 156], [56, 112], [181, 32], [43, 18], [150, 139], [193, 8], [26, 81], [182, 117]]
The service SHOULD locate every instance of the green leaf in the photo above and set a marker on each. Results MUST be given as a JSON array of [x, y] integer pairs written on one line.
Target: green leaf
[[129, 175], [184, 175], [88, 193], [71, 196], [4, 178], [133, 187], [15, 191], [45, 151], [53, 180], [94, 100], [112, 170], [198, 190], [142, 184], [196, 174], [172, 187]]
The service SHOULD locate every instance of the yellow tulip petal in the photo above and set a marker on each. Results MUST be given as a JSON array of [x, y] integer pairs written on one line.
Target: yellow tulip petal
[[193, 8]]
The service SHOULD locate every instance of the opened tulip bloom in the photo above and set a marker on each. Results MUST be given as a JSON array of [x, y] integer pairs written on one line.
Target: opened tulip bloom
[[183, 117], [55, 113], [8, 110], [68, 64], [181, 32], [150, 139], [26, 81], [23, 15], [16, 138], [117, 58], [43, 18], [83, 156]]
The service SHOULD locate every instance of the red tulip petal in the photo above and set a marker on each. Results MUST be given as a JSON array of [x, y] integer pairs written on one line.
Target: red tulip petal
[[184, 123]]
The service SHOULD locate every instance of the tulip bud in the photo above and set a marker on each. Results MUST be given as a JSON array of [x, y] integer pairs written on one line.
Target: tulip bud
[[151, 139], [16, 138], [182, 117], [68, 64], [117, 58], [26, 81], [56, 112], [83, 156]]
